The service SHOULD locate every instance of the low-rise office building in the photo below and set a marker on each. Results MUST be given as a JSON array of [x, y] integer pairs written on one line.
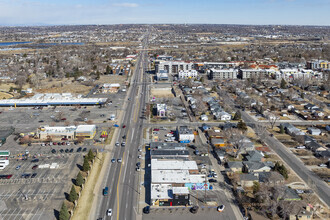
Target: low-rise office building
[[185, 135], [68, 132]]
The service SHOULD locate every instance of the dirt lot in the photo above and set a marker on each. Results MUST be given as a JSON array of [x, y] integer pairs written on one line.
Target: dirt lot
[[4, 95], [161, 93]]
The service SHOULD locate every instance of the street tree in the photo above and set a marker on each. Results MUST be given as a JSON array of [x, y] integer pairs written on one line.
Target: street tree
[[283, 84], [86, 166], [64, 213], [73, 196], [80, 179], [237, 116]]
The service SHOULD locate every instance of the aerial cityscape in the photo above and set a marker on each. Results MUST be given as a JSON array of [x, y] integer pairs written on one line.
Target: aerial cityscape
[[163, 119]]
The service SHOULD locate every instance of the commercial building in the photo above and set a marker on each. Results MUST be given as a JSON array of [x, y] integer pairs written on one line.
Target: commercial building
[[69, 132], [4, 159], [161, 110], [86, 131], [167, 146], [223, 74], [318, 64], [162, 75], [173, 67], [186, 74], [250, 73], [51, 99], [185, 135]]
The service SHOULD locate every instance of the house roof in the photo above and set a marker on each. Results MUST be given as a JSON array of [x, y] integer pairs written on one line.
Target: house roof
[[255, 165], [270, 177], [254, 156], [235, 164], [248, 177]]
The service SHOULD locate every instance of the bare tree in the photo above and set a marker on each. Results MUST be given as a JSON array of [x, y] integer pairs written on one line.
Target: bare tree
[[272, 119], [235, 137], [260, 130]]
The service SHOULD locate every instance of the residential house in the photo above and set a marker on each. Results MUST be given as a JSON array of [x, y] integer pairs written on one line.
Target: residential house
[[271, 178], [254, 156], [235, 166], [248, 179], [314, 131], [256, 167], [301, 213], [218, 142]]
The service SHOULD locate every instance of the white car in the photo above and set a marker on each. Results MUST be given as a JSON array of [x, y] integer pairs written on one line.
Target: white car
[[169, 135], [139, 156], [301, 147], [109, 212], [322, 165], [220, 208], [139, 149]]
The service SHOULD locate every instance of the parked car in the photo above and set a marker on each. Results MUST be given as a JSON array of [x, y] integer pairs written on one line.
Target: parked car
[[301, 147], [18, 167], [113, 160], [139, 156], [53, 151], [322, 165], [61, 150], [35, 160], [35, 167], [220, 208], [117, 144], [119, 160], [213, 180], [33, 175], [123, 144], [84, 150], [71, 150], [146, 210], [79, 149], [66, 150], [194, 209], [124, 126]]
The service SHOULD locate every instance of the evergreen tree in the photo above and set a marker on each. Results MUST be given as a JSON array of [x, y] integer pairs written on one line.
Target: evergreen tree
[[73, 196], [283, 84], [281, 129], [241, 125], [86, 166], [79, 179], [237, 116], [90, 155], [108, 70], [64, 213]]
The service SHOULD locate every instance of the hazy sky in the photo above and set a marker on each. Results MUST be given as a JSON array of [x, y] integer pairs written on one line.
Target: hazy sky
[[48, 12]]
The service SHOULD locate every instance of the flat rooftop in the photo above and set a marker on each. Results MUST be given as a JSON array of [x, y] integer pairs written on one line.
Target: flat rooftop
[[175, 176], [173, 165], [52, 99], [161, 191]]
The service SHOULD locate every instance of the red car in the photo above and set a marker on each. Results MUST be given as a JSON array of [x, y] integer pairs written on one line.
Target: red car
[[156, 129], [124, 126], [63, 119], [34, 167]]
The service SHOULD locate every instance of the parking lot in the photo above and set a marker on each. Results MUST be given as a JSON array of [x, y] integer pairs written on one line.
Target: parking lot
[[24, 196], [38, 193]]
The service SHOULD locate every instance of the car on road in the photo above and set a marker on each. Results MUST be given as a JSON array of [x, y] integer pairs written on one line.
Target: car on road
[[18, 167], [35, 161], [123, 144], [113, 160], [117, 144], [124, 136], [105, 191], [109, 212], [301, 147], [84, 150], [220, 208], [119, 160], [146, 210], [34, 175], [53, 151], [35, 167], [322, 165], [41, 121], [79, 149], [115, 125]]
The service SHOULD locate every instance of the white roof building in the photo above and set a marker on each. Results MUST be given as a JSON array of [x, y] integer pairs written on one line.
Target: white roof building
[[173, 165], [185, 74]]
